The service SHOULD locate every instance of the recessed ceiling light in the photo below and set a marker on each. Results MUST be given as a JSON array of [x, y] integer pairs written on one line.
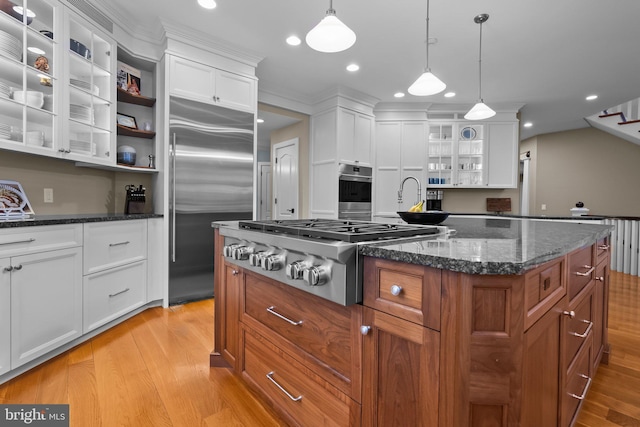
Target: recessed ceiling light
[[207, 4], [36, 50], [260, 120], [353, 67], [592, 97], [528, 124], [449, 94], [399, 94], [293, 40]]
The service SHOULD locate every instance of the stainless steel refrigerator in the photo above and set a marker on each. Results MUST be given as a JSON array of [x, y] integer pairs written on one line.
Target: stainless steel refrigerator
[[210, 179]]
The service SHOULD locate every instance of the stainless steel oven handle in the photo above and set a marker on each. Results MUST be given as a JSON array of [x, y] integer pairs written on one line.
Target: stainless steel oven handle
[[172, 153], [357, 178]]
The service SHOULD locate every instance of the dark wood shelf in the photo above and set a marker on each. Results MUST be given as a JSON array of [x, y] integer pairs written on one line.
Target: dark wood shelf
[[124, 96], [137, 133]]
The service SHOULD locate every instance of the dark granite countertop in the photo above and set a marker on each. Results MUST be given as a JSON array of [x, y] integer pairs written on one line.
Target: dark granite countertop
[[71, 219], [491, 245]]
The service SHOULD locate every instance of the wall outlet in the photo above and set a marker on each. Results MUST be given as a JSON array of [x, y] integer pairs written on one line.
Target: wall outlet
[[48, 195], [543, 207]]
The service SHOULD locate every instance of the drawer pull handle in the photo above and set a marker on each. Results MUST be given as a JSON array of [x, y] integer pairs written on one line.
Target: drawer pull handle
[[546, 284], [586, 387], [235, 272], [396, 290], [586, 273], [571, 313], [364, 329], [293, 322], [17, 267], [575, 334], [119, 243], [600, 278], [604, 247], [8, 269], [118, 293], [18, 241], [289, 395]]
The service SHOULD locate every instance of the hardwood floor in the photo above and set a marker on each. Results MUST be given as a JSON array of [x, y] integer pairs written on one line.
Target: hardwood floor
[[153, 370]]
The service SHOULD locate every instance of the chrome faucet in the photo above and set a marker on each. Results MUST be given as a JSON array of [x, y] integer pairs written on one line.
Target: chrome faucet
[[402, 187]]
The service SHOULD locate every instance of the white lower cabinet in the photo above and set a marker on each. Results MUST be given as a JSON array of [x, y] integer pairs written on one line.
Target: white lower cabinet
[[112, 293], [46, 302], [5, 316]]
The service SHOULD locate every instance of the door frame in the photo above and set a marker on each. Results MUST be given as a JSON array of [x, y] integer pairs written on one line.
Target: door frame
[[261, 196], [295, 142]]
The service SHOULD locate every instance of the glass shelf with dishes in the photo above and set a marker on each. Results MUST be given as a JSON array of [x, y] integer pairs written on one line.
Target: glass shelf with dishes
[[90, 96], [29, 75], [440, 153]]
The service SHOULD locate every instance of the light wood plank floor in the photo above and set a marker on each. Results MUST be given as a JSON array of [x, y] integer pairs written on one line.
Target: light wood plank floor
[[153, 370]]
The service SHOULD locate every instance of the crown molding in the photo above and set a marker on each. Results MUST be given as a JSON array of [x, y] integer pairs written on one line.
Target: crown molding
[[129, 26]]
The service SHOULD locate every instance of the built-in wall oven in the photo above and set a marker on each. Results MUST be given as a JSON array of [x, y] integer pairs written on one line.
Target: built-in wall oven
[[354, 194]]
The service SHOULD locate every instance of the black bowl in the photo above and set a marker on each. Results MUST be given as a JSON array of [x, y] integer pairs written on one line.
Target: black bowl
[[425, 218]]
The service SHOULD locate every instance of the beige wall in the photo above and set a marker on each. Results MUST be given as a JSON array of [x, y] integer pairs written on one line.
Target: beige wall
[[76, 190], [465, 200], [298, 130], [588, 165]]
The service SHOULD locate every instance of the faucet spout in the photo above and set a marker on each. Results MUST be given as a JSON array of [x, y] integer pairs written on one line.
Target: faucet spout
[[402, 189]]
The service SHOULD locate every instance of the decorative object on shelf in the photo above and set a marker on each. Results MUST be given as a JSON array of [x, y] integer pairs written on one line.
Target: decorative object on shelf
[[42, 64], [146, 126], [481, 110], [14, 203], [126, 155], [77, 47], [135, 200], [129, 78], [152, 161], [330, 35], [127, 121], [427, 84], [468, 133]]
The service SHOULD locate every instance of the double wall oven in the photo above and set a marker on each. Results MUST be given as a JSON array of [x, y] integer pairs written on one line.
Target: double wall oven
[[354, 193]]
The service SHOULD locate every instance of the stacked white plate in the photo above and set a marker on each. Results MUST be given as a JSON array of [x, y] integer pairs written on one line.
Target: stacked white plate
[[81, 112], [5, 131], [10, 46], [5, 90], [84, 85], [85, 147]]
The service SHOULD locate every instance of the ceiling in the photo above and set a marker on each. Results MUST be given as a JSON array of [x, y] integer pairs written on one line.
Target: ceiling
[[545, 54]]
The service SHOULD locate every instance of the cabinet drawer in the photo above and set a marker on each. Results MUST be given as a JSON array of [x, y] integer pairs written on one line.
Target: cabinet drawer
[[603, 249], [578, 382], [581, 268], [411, 292], [112, 293], [577, 330], [292, 389], [544, 286], [25, 240], [318, 327], [109, 244]]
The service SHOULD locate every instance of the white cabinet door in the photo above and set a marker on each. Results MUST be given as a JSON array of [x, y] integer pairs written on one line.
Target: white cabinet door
[[354, 137], [5, 316], [387, 171], [503, 162], [46, 302], [235, 91], [192, 80]]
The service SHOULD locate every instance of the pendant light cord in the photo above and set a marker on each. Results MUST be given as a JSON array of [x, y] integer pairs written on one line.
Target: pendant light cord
[[427, 35], [480, 66]]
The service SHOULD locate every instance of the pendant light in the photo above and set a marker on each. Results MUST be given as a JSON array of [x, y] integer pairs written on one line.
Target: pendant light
[[427, 84], [481, 110], [330, 35]]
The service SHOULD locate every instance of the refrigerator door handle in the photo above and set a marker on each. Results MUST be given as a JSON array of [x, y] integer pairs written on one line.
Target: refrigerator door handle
[[173, 198]]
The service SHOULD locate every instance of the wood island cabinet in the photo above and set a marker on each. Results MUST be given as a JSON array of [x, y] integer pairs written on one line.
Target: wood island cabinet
[[427, 347]]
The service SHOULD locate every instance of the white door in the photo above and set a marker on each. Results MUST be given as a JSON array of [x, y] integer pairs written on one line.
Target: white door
[[264, 189], [285, 179]]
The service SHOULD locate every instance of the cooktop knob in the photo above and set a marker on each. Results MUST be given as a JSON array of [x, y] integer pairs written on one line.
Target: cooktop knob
[[295, 269], [227, 250], [242, 252], [316, 275], [273, 262], [255, 259]]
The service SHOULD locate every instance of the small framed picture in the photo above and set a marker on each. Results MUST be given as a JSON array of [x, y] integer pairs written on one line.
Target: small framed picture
[[127, 121]]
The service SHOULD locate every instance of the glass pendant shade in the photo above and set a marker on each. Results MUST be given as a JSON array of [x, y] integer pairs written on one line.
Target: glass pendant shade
[[480, 111], [427, 84], [330, 35]]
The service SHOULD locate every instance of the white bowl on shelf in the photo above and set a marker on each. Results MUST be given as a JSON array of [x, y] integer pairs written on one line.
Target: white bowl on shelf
[[32, 98]]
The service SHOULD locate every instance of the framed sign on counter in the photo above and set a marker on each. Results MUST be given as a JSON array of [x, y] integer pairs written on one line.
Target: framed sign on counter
[[14, 203]]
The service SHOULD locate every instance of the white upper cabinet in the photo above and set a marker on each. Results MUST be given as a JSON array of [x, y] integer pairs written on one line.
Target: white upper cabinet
[[502, 155], [354, 137], [192, 80]]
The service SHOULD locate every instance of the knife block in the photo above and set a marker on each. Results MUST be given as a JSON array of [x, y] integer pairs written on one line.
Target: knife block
[[135, 200]]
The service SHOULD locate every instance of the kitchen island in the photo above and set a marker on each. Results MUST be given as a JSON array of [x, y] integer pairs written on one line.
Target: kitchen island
[[502, 322]]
